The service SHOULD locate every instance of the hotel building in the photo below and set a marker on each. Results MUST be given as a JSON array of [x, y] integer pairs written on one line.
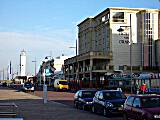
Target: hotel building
[[115, 40]]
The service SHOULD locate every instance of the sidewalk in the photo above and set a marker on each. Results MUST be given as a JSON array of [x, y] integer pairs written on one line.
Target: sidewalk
[[31, 107]]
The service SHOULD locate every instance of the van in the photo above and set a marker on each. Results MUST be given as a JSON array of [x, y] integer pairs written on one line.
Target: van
[[60, 84]]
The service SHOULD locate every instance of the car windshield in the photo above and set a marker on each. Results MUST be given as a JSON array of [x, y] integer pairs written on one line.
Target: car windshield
[[27, 85], [113, 95], [150, 102], [63, 82], [88, 94]]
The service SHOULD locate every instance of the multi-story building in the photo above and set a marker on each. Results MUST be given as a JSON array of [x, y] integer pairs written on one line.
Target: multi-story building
[[47, 66], [59, 63], [103, 48]]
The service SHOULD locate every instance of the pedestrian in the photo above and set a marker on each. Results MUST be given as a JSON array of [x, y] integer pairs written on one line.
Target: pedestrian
[[143, 88]]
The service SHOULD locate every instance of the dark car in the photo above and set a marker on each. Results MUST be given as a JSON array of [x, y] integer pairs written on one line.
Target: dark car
[[108, 102], [83, 99], [28, 87], [142, 107]]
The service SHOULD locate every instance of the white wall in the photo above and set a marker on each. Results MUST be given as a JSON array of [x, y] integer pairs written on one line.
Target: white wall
[[121, 51], [23, 64], [58, 62]]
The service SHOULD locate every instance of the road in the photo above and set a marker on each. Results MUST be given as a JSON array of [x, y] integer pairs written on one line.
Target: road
[[65, 98], [31, 107], [61, 97]]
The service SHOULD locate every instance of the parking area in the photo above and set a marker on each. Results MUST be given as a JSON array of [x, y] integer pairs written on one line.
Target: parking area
[[31, 107]]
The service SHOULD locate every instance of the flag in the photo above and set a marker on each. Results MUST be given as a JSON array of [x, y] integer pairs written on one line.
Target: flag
[[10, 68], [9, 71]]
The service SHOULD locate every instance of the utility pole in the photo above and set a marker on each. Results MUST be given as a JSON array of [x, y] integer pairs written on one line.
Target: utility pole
[[3, 73], [34, 66]]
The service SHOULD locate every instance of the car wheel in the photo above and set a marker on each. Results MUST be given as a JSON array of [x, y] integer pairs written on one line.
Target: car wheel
[[104, 111], [93, 109], [144, 118], [83, 107], [75, 105], [125, 116]]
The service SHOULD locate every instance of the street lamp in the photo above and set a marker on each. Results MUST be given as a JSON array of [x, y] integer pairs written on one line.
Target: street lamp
[[45, 96], [34, 66], [131, 42], [47, 57], [76, 61]]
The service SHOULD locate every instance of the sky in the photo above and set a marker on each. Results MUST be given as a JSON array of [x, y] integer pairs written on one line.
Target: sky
[[48, 27]]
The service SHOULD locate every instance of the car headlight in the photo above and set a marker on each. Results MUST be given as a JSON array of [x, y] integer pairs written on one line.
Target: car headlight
[[32, 88], [157, 116], [108, 104], [89, 102]]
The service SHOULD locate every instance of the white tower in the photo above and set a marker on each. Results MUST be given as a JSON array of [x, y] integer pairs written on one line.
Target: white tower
[[23, 63]]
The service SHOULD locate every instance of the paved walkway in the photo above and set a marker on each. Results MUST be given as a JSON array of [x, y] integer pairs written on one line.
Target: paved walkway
[[31, 107]]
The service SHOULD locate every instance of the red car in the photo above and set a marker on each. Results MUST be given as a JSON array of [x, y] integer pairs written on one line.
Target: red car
[[142, 107]]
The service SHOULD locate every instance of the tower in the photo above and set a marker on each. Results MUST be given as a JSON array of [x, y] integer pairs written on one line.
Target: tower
[[23, 63]]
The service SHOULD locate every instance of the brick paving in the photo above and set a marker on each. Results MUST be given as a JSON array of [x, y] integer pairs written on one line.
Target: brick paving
[[31, 107]]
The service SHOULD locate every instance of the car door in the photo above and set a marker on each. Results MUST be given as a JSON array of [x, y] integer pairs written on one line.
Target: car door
[[76, 97], [100, 103], [80, 99], [95, 100], [128, 106], [136, 109]]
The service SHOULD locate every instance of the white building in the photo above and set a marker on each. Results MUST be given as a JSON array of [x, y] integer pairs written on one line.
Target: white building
[[23, 63], [59, 62]]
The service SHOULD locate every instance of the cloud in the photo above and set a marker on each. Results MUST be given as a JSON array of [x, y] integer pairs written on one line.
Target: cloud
[[36, 44]]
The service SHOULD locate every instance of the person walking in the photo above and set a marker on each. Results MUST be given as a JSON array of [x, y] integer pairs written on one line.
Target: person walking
[[143, 88]]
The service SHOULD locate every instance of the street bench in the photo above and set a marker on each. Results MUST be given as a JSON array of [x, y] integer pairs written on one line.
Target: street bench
[[11, 118], [8, 110], [8, 114]]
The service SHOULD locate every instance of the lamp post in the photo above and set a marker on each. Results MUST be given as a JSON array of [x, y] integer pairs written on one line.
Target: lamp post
[[34, 66], [45, 96], [76, 51], [76, 64], [47, 57], [131, 42]]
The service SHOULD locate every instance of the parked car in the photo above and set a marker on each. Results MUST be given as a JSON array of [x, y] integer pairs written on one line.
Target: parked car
[[61, 84], [142, 107], [4, 84], [28, 87], [83, 99], [108, 102]]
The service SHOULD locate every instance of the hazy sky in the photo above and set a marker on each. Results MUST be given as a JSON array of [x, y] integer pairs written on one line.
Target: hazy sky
[[45, 27]]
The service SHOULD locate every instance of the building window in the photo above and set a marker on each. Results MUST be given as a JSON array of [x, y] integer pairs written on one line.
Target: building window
[[121, 67], [103, 18], [118, 17]]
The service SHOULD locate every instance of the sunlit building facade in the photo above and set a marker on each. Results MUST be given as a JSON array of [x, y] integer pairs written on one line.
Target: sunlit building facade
[[104, 49]]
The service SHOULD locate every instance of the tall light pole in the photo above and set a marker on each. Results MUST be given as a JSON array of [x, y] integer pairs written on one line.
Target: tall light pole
[[76, 64], [34, 66], [131, 42], [76, 50], [45, 94]]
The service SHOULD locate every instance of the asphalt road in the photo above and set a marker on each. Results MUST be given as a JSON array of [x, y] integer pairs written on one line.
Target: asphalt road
[[31, 106], [66, 98], [61, 97]]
